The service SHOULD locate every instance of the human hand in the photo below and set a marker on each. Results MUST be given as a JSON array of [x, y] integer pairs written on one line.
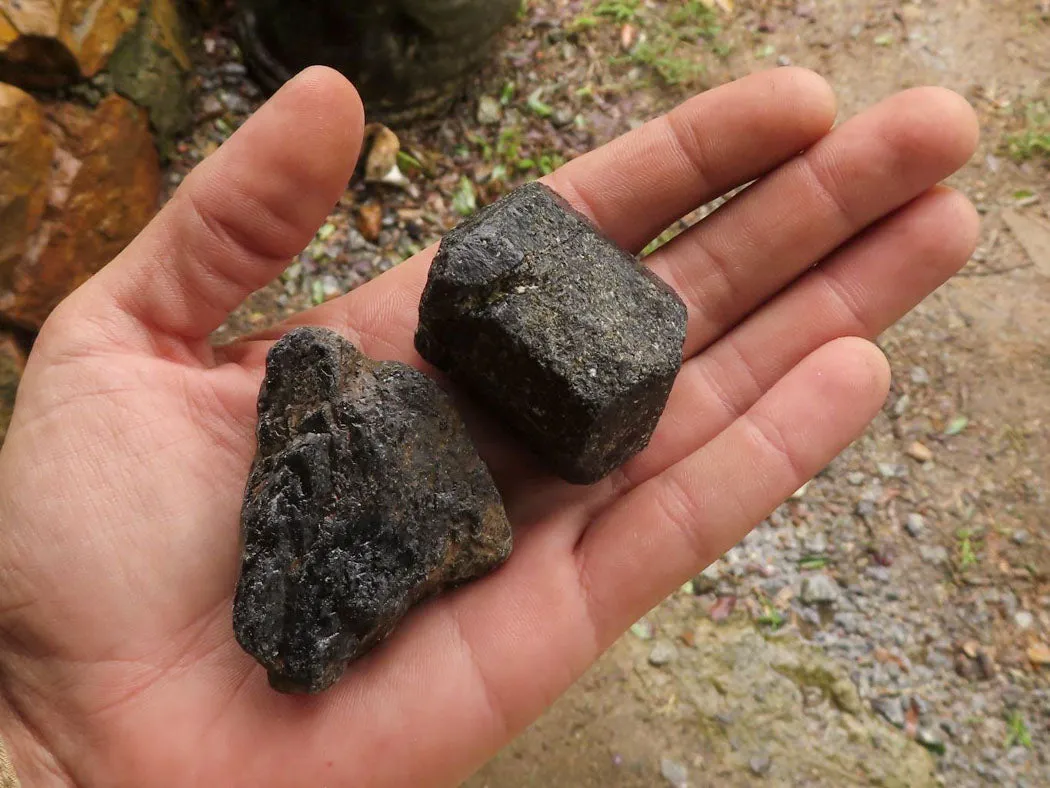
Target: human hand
[[122, 474]]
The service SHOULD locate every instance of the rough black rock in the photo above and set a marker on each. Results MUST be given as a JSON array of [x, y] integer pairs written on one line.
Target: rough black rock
[[366, 496], [561, 333]]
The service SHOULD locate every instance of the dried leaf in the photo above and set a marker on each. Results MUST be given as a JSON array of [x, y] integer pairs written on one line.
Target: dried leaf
[[722, 608], [370, 221], [537, 105], [956, 425], [465, 200]]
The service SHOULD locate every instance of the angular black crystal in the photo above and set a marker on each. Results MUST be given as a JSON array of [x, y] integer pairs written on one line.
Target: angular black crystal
[[562, 334]]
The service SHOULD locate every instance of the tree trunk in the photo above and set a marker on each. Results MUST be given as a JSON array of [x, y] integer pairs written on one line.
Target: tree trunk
[[408, 58]]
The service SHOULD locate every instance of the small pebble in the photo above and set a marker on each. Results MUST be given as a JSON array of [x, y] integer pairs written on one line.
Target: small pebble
[[662, 654], [490, 112], [890, 470], [856, 478], [819, 589], [1019, 537], [915, 525], [900, 407], [919, 376], [879, 574], [1024, 619], [919, 452], [890, 709], [934, 555], [759, 764], [674, 772], [930, 741], [817, 544], [563, 116]]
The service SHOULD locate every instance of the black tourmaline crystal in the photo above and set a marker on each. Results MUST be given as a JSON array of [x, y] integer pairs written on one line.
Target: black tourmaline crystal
[[365, 497], [560, 332]]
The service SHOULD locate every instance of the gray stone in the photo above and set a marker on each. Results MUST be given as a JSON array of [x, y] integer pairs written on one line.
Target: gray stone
[[366, 496], [1023, 619], [563, 116], [880, 574], [564, 336], [934, 555], [816, 544], [919, 376], [674, 772], [819, 589], [662, 654], [930, 740], [759, 764], [890, 470], [490, 111], [890, 709], [915, 525]]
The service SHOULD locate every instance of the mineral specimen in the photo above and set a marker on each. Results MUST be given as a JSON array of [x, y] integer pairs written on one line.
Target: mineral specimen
[[365, 497], [556, 329]]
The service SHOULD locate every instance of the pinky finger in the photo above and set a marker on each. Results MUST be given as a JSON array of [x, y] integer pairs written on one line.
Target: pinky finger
[[669, 528]]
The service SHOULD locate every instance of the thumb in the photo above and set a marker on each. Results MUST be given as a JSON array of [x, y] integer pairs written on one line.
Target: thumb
[[234, 222]]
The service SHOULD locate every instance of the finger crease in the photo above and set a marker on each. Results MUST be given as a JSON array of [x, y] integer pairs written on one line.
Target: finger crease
[[840, 295], [696, 288], [771, 436], [689, 149], [680, 509], [826, 190], [231, 240]]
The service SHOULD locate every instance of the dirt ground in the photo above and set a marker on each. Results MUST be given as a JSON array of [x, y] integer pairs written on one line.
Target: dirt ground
[[984, 340], [944, 563]]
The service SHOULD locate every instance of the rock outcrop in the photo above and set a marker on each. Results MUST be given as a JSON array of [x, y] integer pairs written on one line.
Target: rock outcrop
[[79, 184]]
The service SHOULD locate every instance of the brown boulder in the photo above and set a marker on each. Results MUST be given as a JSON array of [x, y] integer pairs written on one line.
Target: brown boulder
[[25, 170], [141, 44], [51, 42], [102, 190], [12, 361]]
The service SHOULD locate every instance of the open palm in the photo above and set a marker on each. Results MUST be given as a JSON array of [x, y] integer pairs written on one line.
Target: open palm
[[121, 478]]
